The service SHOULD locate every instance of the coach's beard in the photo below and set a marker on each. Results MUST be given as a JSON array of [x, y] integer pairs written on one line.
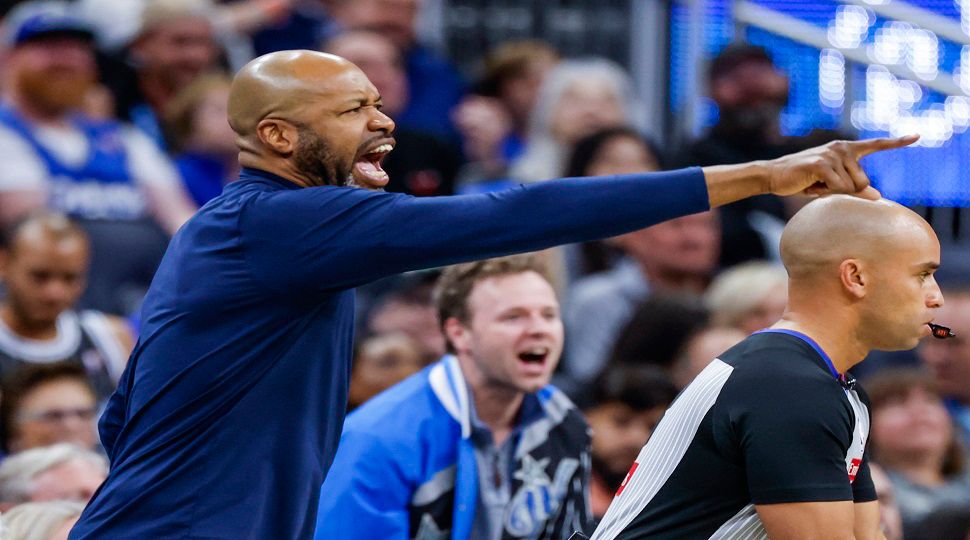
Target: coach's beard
[[314, 160]]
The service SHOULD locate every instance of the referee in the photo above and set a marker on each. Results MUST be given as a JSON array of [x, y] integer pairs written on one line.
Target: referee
[[769, 441]]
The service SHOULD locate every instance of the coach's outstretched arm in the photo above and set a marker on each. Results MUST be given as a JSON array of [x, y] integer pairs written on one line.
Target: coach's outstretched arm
[[312, 120], [832, 168]]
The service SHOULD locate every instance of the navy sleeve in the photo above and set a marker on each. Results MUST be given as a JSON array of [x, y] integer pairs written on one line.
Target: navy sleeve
[[792, 434], [113, 416], [330, 238]]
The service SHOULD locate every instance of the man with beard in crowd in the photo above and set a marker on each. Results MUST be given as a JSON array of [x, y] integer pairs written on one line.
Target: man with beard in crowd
[[228, 415], [750, 93]]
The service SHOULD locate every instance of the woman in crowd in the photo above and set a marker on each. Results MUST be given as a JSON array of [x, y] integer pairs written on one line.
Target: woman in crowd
[[614, 150], [912, 437], [577, 98]]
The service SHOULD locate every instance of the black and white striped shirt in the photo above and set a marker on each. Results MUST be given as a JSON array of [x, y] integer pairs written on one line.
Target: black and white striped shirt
[[769, 421]]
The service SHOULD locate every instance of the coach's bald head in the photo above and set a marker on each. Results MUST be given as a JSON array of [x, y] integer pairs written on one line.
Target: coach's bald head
[[872, 259], [310, 117]]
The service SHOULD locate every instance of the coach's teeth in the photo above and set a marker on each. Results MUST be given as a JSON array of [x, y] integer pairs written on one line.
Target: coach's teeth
[[383, 149]]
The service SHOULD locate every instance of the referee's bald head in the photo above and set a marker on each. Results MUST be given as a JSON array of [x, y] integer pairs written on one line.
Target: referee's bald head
[[864, 267], [832, 229]]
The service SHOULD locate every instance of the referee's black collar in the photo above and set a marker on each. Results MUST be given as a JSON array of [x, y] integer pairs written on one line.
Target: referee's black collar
[[811, 342], [847, 382]]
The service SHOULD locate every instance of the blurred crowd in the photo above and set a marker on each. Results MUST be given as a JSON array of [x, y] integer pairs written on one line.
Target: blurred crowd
[[113, 132]]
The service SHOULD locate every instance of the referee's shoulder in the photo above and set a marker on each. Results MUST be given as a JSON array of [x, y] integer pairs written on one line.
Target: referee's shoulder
[[767, 362]]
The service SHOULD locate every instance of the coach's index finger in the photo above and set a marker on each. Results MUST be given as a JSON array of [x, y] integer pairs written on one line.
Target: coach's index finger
[[870, 146]]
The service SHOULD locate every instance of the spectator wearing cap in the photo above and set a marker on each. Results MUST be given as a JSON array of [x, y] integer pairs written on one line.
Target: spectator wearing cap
[[108, 176], [61, 472]]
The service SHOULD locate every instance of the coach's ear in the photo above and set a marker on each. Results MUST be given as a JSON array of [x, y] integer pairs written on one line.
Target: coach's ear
[[852, 273], [278, 135], [457, 334]]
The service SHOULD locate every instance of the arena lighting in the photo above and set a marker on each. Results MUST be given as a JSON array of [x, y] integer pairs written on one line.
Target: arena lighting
[[902, 58], [876, 66], [891, 103], [831, 79], [850, 27]]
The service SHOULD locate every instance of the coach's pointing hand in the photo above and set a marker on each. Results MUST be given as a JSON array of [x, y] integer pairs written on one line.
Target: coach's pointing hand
[[832, 168]]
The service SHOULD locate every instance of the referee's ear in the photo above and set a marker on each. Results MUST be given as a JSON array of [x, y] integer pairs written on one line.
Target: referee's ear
[[278, 135], [853, 277]]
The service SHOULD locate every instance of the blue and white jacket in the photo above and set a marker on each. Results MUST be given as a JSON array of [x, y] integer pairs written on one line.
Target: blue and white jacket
[[406, 468]]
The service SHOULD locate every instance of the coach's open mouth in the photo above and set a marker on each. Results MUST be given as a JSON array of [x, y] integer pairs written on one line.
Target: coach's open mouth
[[367, 169]]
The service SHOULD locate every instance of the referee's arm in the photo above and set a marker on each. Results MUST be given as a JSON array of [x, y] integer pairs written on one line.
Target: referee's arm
[[837, 520]]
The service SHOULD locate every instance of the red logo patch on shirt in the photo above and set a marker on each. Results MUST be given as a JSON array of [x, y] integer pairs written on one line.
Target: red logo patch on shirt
[[627, 479], [854, 469]]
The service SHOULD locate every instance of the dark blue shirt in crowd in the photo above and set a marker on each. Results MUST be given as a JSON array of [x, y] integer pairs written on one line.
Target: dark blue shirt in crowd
[[203, 176], [228, 415], [434, 88]]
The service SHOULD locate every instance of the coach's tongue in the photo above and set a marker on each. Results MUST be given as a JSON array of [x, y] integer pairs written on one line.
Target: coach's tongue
[[368, 173]]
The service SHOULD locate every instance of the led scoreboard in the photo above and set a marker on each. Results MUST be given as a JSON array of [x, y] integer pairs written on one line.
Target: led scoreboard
[[872, 67]]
